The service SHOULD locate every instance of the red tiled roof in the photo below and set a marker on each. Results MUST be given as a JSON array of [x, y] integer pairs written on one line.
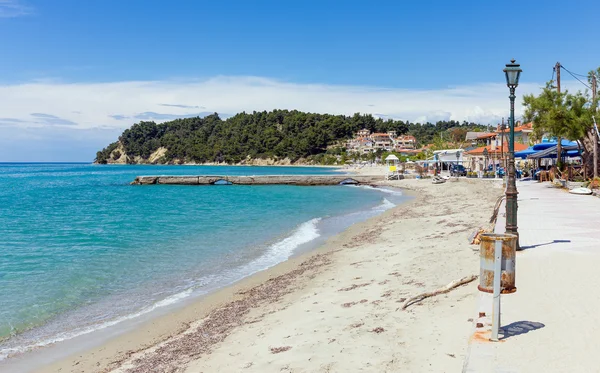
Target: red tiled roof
[[407, 137], [487, 135], [526, 126], [414, 151], [479, 151]]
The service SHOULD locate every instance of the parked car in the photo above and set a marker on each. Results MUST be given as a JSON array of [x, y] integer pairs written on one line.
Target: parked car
[[458, 170]]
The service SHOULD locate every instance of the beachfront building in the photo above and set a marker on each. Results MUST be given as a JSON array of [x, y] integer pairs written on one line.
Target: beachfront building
[[446, 157]]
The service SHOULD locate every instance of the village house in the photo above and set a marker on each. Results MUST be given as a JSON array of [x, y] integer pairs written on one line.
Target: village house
[[405, 142], [382, 141], [522, 135], [365, 142], [523, 132]]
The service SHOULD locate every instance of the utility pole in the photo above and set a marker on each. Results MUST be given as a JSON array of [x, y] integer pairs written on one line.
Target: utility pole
[[559, 139], [502, 145], [557, 69], [594, 132]]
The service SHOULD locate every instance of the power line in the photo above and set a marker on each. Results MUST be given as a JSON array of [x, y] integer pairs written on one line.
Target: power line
[[573, 75], [581, 75]]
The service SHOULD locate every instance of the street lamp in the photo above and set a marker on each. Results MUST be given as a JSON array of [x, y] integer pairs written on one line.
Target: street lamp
[[485, 155], [457, 157], [513, 73]]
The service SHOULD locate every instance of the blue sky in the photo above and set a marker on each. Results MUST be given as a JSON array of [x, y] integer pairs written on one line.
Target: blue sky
[[82, 71]]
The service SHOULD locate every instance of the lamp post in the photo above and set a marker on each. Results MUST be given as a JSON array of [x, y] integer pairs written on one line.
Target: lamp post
[[485, 155], [457, 157], [513, 73]]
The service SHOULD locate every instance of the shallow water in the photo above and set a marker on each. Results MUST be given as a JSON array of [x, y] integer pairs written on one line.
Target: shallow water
[[81, 249]]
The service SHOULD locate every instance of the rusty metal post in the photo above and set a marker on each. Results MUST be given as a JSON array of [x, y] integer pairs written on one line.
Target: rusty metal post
[[488, 263], [497, 271]]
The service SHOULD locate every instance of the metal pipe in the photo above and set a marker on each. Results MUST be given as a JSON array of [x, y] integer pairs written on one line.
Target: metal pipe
[[497, 290]]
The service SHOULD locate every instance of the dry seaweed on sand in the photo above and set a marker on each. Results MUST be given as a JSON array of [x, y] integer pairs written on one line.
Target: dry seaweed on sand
[[173, 354]]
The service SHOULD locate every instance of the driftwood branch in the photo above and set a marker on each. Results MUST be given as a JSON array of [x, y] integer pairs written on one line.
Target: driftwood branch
[[445, 289]]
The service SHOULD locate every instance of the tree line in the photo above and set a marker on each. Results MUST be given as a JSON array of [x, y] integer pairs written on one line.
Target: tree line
[[277, 134]]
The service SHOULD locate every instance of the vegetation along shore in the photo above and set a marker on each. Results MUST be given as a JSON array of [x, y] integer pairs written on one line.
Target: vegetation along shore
[[278, 137]]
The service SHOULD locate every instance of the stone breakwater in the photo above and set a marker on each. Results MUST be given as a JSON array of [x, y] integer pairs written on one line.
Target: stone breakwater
[[260, 180]]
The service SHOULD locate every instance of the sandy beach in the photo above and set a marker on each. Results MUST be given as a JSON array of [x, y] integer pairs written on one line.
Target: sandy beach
[[335, 309]]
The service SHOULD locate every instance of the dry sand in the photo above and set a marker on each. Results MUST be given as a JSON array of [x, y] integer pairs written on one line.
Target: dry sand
[[335, 309]]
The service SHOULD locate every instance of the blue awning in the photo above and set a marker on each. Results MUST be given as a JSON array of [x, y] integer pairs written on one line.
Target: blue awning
[[524, 153], [568, 150], [550, 144]]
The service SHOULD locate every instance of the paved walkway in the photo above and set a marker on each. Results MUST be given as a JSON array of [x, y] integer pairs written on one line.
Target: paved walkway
[[552, 322]]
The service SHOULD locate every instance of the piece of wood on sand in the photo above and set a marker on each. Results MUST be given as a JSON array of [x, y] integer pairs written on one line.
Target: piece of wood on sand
[[454, 284]]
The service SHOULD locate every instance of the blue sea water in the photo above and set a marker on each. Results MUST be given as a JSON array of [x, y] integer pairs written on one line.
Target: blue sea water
[[81, 249]]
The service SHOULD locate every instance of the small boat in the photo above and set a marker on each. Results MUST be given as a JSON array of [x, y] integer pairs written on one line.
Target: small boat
[[438, 180], [581, 191]]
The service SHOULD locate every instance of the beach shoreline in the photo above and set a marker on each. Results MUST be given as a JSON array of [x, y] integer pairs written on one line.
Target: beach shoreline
[[121, 351]]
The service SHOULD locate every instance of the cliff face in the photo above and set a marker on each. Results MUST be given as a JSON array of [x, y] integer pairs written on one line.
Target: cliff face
[[116, 154]]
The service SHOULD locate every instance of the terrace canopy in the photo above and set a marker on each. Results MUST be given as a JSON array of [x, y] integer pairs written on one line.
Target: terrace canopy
[[523, 154], [570, 151], [391, 157]]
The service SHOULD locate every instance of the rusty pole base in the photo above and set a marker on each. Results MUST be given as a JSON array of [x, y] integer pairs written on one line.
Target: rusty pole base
[[491, 291]]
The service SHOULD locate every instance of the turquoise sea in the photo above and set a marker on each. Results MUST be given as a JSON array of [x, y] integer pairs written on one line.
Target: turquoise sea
[[81, 249]]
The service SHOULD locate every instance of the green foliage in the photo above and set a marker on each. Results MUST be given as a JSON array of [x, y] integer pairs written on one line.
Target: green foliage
[[559, 114], [548, 111], [442, 131], [277, 134]]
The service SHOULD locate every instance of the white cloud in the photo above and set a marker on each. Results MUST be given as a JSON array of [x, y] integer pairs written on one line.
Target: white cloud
[[13, 8], [54, 105], [93, 104]]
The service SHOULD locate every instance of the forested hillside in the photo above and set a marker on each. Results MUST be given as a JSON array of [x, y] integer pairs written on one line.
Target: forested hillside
[[277, 134]]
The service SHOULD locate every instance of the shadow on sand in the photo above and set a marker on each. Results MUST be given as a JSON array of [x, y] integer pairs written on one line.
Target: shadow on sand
[[519, 327]]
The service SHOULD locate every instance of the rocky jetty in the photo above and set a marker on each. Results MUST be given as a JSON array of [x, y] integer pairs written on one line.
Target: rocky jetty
[[305, 180]]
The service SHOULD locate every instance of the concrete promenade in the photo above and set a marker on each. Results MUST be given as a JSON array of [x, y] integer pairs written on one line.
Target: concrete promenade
[[551, 323]]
